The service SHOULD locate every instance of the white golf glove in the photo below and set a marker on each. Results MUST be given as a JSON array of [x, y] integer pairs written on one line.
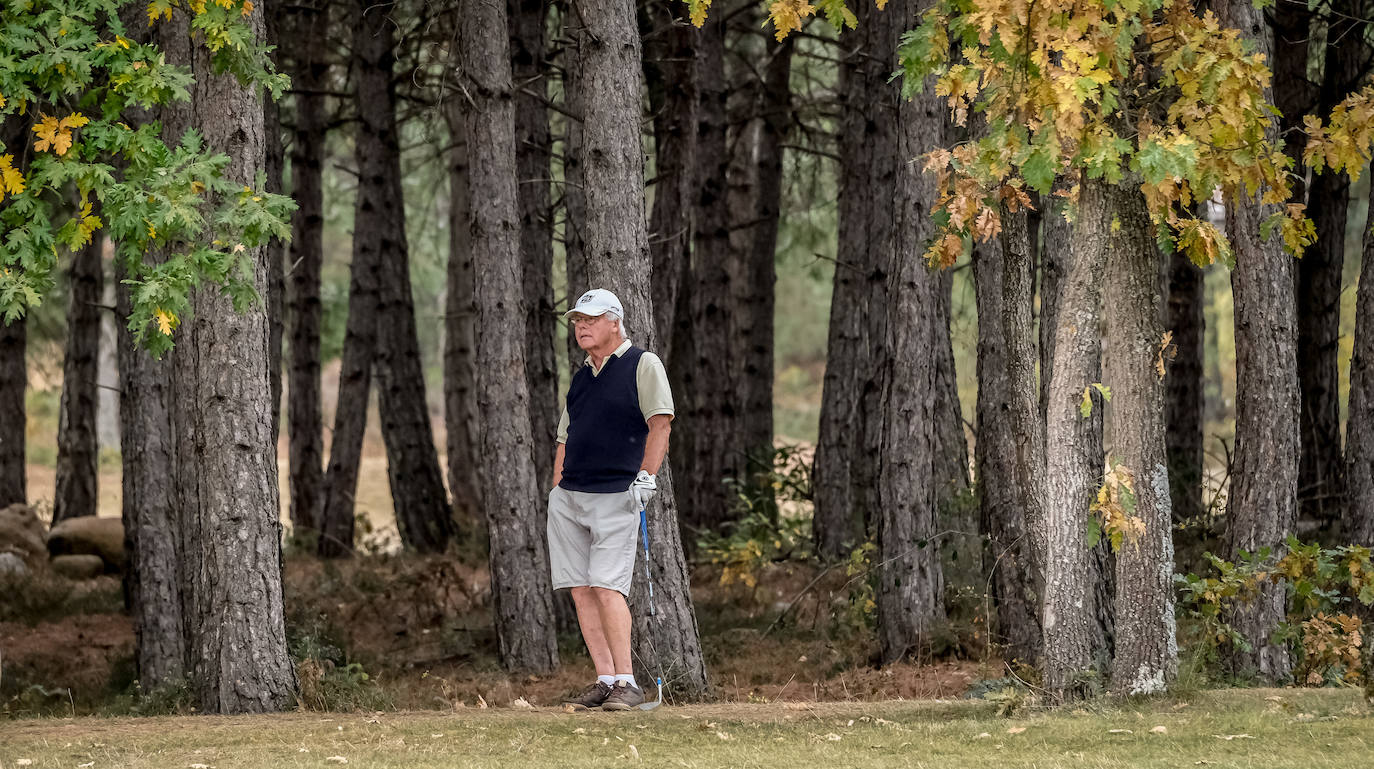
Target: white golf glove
[[643, 488]]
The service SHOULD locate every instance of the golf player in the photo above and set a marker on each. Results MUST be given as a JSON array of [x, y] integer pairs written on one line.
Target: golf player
[[611, 441]]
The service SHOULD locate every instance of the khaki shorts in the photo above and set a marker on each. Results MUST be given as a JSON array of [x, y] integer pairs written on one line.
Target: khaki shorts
[[592, 539]]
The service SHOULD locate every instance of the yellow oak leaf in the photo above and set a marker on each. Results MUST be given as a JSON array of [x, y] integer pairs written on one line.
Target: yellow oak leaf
[[10, 179], [165, 321], [46, 129]]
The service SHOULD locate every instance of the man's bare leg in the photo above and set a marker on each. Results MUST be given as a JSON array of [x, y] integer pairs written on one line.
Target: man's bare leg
[[615, 628], [589, 619]]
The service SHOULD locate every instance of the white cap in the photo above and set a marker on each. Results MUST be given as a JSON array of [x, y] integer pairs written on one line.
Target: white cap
[[598, 301]]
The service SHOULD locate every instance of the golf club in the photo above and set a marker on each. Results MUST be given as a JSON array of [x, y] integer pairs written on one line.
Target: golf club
[[653, 611]]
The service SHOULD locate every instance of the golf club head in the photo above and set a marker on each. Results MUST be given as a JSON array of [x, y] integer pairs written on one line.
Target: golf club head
[[657, 702]]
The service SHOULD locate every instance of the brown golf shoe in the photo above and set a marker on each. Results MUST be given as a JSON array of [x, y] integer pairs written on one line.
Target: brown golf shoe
[[591, 697], [625, 696]]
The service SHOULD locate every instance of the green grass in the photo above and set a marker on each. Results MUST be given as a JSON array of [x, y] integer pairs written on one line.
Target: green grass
[[1311, 729]]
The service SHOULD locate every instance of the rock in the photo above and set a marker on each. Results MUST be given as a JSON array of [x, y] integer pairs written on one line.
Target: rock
[[89, 535], [12, 565], [78, 566], [21, 533]]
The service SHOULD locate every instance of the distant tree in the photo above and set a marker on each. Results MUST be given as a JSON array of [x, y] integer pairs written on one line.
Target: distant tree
[[78, 451]]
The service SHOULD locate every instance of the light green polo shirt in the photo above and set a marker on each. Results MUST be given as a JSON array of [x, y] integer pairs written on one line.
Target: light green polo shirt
[[651, 378]]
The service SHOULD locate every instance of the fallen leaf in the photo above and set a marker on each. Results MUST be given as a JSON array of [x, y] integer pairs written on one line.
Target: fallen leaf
[[1016, 730], [337, 759], [1229, 737], [302, 750], [83, 766], [833, 737], [982, 736], [437, 735], [796, 706], [1120, 731], [1160, 730], [723, 735], [851, 722], [634, 753], [192, 766], [23, 762], [521, 702], [569, 708], [579, 730]]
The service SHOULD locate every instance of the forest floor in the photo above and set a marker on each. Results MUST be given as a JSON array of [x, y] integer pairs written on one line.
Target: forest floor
[[1311, 729]]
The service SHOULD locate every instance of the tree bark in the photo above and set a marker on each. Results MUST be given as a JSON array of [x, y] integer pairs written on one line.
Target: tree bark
[[1183, 389], [309, 70], [617, 245], [1073, 639], [148, 504], [574, 179], [1263, 498], [714, 448], [1320, 485], [670, 73], [461, 416], [910, 588], [14, 378], [754, 241], [147, 441], [533, 149], [1359, 431], [13, 382], [843, 482], [275, 160], [522, 590], [1009, 452], [1146, 658], [226, 477], [423, 516], [78, 452]]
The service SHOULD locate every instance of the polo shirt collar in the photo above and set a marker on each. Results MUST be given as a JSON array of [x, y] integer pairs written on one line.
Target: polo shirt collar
[[619, 351]]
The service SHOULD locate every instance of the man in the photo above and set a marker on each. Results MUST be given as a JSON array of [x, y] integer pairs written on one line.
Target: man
[[611, 441]]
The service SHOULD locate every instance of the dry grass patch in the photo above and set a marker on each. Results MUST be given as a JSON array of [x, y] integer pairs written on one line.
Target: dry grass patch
[[1237, 728]]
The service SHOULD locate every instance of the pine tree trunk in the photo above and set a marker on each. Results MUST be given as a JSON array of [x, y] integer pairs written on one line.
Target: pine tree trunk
[[1183, 389], [1262, 503], [13, 381], [574, 180], [670, 73], [1320, 483], [715, 448], [522, 592], [1007, 467], [461, 416], [226, 477], [147, 441], [423, 517], [755, 244], [844, 482], [148, 504], [1073, 638], [1146, 658], [617, 246], [533, 147], [13, 375], [78, 452], [910, 591], [1359, 430], [364, 290], [309, 70], [275, 160]]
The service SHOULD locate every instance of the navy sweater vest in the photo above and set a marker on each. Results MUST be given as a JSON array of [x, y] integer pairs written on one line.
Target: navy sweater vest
[[606, 429]]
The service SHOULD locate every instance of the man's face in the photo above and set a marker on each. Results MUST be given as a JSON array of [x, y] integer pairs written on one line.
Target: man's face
[[595, 331]]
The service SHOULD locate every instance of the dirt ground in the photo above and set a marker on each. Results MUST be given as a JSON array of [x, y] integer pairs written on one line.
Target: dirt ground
[[420, 628]]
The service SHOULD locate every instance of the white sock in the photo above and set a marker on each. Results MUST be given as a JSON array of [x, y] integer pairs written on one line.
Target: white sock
[[627, 678], [607, 680]]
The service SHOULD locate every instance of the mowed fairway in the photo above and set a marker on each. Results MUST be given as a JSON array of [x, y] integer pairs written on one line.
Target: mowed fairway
[[1237, 728]]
